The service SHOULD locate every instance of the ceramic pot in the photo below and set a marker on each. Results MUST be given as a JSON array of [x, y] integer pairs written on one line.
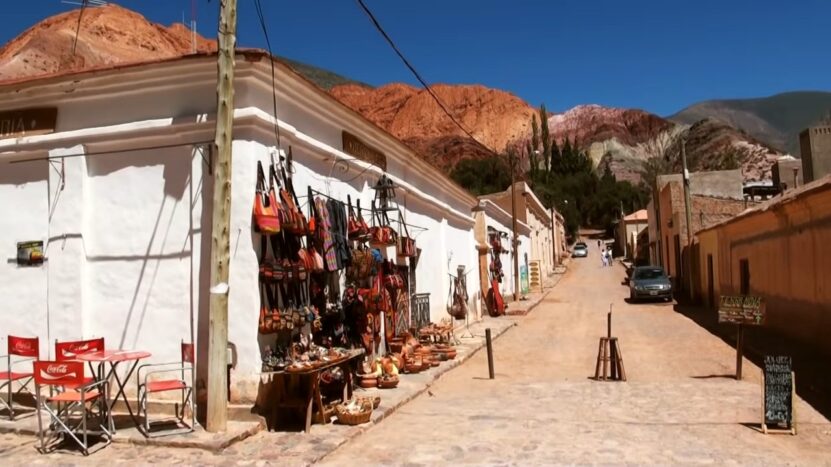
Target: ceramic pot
[[368, 383]]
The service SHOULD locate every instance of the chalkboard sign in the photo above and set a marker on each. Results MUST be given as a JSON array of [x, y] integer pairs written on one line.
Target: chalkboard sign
[[779, 390]]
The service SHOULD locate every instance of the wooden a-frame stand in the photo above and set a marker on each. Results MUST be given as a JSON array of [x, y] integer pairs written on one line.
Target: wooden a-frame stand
[[781, 431], [609, 355]]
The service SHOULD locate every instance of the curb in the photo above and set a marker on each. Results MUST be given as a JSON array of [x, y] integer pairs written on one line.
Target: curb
[[214, 447]]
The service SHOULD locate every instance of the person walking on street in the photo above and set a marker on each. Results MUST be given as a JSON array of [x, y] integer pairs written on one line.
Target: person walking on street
[[609, 257], [603, 258]]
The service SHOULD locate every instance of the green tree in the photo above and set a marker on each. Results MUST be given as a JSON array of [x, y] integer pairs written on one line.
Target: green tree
[[546, 139], [483, 176]]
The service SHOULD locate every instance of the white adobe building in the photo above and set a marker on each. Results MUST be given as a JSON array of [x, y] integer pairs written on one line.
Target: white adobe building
[[119, 189]]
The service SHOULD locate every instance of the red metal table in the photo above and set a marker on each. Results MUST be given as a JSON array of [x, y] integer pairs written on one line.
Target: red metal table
[[114, 357]]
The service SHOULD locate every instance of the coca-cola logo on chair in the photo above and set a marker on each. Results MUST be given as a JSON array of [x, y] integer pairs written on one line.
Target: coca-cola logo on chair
[[26, 347], [58, 372]]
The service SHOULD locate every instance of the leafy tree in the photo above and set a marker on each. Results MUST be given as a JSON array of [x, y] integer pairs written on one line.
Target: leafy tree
[[546, 139], [483, 176]]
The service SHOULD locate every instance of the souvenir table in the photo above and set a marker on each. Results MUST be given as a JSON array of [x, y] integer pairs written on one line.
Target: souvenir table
[[313, 396]]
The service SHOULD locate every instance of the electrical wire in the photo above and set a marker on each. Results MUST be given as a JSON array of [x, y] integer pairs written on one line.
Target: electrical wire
[[115, 151], [259, 8], [78, 28], [419, 78]]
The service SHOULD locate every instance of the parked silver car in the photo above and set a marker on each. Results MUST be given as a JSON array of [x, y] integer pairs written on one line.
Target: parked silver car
[[581, 250], [650, 282]]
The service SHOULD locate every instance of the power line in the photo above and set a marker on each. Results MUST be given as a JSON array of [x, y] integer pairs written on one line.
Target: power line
[[259, 8], [112, 152], [418, 76], [78, 28]]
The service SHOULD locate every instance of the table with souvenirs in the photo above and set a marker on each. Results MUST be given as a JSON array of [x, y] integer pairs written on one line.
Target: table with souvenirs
[[335, 297]]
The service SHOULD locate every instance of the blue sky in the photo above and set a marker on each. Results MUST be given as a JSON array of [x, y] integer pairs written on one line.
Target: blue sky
[[658, 55]]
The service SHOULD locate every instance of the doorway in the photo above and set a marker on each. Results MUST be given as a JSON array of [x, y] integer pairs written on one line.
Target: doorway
[[711, 295], [744, 276]]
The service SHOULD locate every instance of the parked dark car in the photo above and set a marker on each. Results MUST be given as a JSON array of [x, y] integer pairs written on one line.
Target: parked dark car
[[581, 250], [650, 282]]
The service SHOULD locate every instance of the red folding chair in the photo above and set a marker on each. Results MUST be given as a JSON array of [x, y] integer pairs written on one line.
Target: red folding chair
[[75, 404], [69, 350], [183, 384], [27, 347]]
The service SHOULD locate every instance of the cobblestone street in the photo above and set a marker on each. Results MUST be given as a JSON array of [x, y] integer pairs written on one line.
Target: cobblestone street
[[680, 404]]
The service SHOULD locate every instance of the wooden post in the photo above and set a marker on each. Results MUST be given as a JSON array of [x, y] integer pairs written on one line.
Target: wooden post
[[514, 226], [490, 352], [739, 352], [609, 322], [688, 209], [216, 419]]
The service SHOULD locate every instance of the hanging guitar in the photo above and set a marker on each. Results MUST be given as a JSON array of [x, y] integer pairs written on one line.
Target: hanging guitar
[[495, 301]]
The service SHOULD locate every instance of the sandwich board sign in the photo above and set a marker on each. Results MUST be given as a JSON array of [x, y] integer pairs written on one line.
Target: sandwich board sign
[[778, 395]]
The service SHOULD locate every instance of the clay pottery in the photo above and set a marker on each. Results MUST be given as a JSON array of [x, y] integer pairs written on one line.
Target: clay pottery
[[396, 344], [397, 360], [388, 382], [451, 354], [368, 383], [424, 350]]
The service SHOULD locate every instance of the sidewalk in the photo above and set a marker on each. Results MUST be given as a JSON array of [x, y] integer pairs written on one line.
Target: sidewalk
[[248, 442], [27, 425], [525, 305]]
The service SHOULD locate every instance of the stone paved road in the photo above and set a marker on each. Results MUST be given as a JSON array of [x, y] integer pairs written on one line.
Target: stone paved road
[[677, 407]]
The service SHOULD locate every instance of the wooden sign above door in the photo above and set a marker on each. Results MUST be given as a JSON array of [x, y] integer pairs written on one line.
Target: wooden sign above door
[[28, 122]]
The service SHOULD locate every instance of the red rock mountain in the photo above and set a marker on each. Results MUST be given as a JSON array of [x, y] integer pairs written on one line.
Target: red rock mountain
[[495, 118], [621, 138], [108, 35]]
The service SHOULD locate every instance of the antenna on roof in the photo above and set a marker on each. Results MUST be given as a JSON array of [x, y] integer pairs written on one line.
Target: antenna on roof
[[85, 3], [193, 26]]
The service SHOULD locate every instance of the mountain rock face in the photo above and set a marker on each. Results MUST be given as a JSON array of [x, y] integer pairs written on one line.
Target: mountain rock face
[[619, 138], [108, 35], [496, 118], [776, 120], [623, 139]]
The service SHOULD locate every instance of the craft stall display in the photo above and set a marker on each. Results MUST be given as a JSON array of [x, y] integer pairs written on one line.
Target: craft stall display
[[314, 335]]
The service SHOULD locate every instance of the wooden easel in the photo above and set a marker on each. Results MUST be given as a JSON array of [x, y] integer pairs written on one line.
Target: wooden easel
[[781, 431], [609, 355]]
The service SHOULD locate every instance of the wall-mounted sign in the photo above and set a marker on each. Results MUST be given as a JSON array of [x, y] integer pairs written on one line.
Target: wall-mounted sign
[[358, 149], [27, 122], [30, 253], [742, 310], [523, 279]]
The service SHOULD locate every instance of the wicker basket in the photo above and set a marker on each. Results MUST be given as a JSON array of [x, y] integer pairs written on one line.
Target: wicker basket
[[354, 418], [376, 401]]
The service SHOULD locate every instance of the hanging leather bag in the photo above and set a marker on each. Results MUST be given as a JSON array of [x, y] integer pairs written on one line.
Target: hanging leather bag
[[266, 207], [404, 245], [269, 322]]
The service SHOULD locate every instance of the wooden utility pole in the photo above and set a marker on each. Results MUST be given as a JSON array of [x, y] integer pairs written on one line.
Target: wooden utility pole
[[217, 413], [688, 207], [515, 242]]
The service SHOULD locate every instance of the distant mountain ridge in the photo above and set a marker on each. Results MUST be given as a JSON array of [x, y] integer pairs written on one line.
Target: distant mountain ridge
[[775, 120], [740, 132]]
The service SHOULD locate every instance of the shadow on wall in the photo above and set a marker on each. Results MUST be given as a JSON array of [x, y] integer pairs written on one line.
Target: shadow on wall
[[813, 381], [22, 173]]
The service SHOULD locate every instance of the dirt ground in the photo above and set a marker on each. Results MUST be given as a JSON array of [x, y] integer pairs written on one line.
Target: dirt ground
[[679, 405]]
